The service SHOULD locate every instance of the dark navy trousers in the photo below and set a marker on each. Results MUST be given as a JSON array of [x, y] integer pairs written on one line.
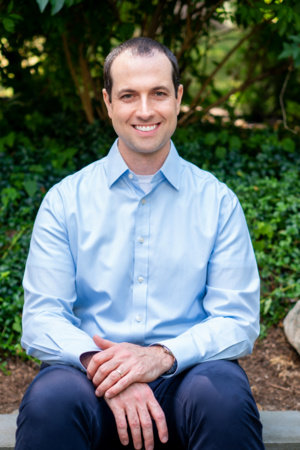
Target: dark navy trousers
[[208, 407]]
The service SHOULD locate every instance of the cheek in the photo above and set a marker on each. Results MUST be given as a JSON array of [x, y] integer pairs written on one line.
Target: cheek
[[121, 115]]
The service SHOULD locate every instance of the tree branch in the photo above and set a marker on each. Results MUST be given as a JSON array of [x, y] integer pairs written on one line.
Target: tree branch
[[221, 64], [192, 36], [281, 95], [155, 21], [86, 85], [84, 103], [248, 82]]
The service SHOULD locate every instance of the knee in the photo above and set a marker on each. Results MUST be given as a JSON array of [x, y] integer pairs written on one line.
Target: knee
[[56, 392], [221, 390]]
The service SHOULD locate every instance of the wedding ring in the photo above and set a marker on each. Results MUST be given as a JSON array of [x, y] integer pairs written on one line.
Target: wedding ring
[[119, 372]]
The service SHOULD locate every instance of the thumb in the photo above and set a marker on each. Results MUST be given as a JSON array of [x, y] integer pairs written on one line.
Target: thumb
[[102, 343]]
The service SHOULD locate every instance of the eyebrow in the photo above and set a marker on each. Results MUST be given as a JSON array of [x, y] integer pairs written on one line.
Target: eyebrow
[[123, 91], [132, 91]]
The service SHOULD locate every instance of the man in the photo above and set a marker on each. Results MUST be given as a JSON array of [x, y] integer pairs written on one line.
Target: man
[[148, 258]]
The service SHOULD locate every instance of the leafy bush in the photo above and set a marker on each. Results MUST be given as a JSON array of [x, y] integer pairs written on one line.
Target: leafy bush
[[260, 166]]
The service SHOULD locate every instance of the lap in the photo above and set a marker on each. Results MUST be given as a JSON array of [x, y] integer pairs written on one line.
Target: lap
[[203, 394], [209, 403]]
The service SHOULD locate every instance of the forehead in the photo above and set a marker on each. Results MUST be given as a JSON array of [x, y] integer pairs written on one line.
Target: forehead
[[135, 71]]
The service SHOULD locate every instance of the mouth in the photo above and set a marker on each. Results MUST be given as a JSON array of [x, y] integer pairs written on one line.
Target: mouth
[[146, 128]]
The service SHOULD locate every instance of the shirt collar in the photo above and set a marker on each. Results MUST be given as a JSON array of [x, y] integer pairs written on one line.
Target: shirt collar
[[116, 166], [171, 167]]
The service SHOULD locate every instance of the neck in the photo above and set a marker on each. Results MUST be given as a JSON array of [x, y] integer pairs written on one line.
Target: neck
[[144, 163]]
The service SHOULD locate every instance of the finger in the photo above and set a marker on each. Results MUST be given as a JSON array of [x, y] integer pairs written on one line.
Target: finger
[[135, 427], [104, 371], [113, 378], [97, 360], [160, 420], [103, 343], [121, 424], [147, 428], [113, 389]]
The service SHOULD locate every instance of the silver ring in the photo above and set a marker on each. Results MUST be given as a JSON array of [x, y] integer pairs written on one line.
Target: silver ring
[[119, 372]]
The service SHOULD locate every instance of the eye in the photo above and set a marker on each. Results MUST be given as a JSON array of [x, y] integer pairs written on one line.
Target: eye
[[160, 94], [126, 97]]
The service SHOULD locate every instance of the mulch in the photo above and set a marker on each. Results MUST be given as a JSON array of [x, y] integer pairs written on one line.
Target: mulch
[[273, 370]]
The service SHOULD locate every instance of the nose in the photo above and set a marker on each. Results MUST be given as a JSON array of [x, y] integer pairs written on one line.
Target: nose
[[144, 110]]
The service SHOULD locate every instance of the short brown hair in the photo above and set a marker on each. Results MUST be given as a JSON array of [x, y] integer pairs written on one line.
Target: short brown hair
[[141, 46]]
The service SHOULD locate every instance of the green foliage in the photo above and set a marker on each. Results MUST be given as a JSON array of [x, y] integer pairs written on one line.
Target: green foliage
[[262, 167], [292, 50], [231, 53]]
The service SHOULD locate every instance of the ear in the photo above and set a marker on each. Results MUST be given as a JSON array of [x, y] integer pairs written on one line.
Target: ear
[[107, 102], [179, 98]]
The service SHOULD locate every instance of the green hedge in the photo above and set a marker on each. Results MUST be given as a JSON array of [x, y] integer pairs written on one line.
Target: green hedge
[[262, 167]]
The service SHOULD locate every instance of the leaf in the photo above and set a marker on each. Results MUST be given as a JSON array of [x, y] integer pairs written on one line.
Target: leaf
[[56, 6], [30, 187], [221, 152], [210, 139], [10, 139], [288, 145], [9, 195], [16, 17], [9, 25], [235, 143], [17, 325], [267, 305], [42, 4], [10, 7], [4, 274], [295, 39]]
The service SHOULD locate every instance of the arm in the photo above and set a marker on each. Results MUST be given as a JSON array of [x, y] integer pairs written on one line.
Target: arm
[[231, 300], [50, 329]]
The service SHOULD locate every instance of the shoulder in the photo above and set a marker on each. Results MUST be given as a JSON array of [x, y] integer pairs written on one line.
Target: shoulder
[[205, 183], [82, 180]]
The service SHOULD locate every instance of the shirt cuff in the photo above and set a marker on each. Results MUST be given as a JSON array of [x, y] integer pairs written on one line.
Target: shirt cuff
[[84, 357]]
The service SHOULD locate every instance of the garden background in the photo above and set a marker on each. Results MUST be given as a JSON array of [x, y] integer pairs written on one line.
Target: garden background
[[240, 66]]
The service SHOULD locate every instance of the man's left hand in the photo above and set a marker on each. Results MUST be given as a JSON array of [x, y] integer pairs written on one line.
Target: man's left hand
[[119, 365]]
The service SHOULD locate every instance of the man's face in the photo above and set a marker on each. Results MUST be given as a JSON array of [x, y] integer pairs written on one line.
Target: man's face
[[143, 106]]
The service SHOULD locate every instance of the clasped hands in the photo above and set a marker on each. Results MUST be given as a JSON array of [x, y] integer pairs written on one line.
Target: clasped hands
[[120, 373]]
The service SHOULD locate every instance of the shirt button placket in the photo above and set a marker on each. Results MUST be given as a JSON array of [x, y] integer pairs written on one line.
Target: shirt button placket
[[140, 280]]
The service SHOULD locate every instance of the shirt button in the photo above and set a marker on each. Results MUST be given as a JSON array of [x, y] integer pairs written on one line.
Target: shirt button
[[139, 317], [140, 279], [141, 240], [143, 201], [130, 176]]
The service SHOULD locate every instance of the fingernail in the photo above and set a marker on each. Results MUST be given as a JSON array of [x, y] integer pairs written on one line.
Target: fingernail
[[89, 376], [164, 439]]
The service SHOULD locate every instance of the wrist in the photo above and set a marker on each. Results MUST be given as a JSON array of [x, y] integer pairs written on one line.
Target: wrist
[[168, 360]]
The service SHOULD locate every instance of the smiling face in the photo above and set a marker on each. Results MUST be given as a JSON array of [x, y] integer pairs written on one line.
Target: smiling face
[[143, 108]]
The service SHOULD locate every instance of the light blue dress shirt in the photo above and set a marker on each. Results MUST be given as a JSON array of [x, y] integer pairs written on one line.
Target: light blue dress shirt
[[175, 266]]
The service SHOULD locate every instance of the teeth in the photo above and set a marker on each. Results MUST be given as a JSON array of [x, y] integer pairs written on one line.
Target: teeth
[[145, 127]]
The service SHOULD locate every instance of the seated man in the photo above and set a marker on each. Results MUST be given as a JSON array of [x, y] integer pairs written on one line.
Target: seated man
[[141, 288]]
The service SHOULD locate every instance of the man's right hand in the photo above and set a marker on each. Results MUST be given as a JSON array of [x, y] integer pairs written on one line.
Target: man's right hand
[[137, 406]]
